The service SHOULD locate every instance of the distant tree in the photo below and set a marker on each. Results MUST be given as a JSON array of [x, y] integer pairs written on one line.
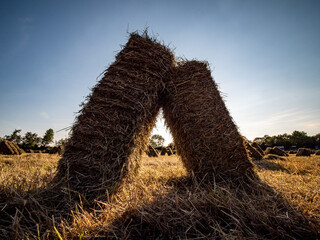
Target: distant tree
[[47, 137], [61, 142], [156, 141], [31, 140], [15, 136]]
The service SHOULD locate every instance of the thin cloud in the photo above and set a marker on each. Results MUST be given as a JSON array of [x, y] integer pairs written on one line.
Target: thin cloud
[[44, 115]]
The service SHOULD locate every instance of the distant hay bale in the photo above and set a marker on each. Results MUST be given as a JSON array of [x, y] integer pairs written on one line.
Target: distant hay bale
[[169, 151], [114, 125], [303, 152], [257, 147], [57, 150], [279, 152], [253, 152], [275, 151], [204, 133], [317, 152], [10, 148], [163, 151], [152, 152]]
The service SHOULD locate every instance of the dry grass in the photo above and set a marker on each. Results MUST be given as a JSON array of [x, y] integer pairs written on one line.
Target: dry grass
[[164, 202]]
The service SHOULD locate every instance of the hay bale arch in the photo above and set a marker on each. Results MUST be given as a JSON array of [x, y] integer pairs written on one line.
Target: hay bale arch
[[112, 130]]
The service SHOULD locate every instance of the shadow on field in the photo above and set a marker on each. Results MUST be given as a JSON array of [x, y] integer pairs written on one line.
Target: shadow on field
[[190, 210], [268, 165], [221, 211]]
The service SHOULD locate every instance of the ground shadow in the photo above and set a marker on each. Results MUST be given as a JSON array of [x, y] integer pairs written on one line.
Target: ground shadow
[[190, 210], [269, 165], [220, 211]]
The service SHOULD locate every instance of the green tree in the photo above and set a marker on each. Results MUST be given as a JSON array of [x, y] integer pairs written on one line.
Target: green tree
[[47, 137], [31, 140], [15, 136], [156, 141]]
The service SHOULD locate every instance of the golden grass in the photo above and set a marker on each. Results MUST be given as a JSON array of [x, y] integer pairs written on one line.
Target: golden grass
[[298, 181], [163, 202]]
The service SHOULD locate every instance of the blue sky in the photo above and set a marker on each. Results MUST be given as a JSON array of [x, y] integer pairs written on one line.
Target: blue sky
[[265, 57]]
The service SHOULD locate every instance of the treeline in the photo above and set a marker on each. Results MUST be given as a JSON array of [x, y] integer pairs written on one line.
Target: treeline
[[32, 140], [298, 139]]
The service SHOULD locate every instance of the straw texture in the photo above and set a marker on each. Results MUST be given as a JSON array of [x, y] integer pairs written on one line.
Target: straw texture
[[203, 131]]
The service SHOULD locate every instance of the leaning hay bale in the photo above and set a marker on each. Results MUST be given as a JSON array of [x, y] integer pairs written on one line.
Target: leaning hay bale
[[114, 125], [257, 147], [6, 148], [204, 133], [279, 152], [14, 147], [163, 151], [303, 152], [253, 153], [169, 151], [152, 152], [317, 152], [20, 150]]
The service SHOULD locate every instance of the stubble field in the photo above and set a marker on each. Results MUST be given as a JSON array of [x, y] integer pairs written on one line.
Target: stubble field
[[164, 202]]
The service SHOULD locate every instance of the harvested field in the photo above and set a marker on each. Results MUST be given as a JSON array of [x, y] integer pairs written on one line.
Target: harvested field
[[164, 202]]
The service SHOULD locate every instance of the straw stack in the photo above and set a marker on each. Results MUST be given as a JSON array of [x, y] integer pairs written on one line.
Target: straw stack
[[204, 134], [303, 152], [113, 127], [257, 147], [253, 152]]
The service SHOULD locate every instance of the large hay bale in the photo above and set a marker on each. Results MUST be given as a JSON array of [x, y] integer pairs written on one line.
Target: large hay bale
[[204, 133], [303, 152], [9, 148], [257, 147], [253, 153], [113, 127]]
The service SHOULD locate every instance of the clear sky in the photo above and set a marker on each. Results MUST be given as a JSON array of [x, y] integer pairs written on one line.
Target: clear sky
[[265, 57]]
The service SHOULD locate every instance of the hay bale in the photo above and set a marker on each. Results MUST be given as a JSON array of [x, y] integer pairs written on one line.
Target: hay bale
[[163, 151], [257, 147], [275, 151], [10, 148], [253, 153], [169, 151], [57, 150], [152, 152], [317, 152], [113, 127], [204, 133], [20, 150], [279, 152], [303, 152]]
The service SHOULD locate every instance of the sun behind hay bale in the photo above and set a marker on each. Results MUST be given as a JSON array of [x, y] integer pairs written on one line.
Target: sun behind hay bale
[[114, 126], [203, 131], [303, 152]]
